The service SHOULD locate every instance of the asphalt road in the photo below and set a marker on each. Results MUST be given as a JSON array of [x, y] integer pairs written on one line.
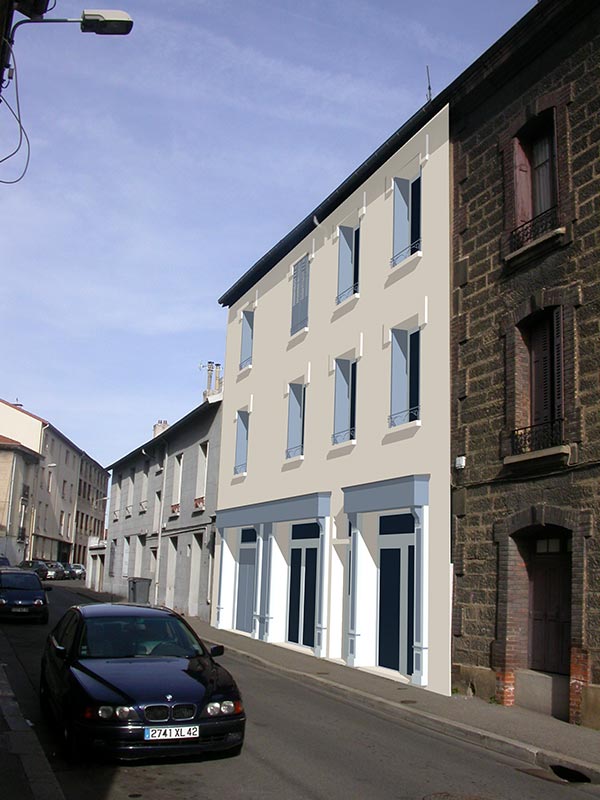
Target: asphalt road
[[301, 744]]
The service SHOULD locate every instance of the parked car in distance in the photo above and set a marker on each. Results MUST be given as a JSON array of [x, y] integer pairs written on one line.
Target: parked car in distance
[[39, 567], [4, 562], [22, 595], [68, 570], [55, 571], [135, 681], [79, 570]]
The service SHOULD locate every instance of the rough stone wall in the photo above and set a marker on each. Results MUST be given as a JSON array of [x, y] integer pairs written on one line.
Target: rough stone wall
[[487, 293]]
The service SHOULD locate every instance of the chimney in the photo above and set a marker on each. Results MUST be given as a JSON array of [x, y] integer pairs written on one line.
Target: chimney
[[210, 368], [218, 379], [160, 427]]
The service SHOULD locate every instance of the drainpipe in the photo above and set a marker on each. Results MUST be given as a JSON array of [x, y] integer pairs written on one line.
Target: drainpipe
[[35, 498], [160, 523]]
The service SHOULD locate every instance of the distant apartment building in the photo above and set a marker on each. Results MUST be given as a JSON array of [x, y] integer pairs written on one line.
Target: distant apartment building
[[161, 517], [41, 471], [334, 492], [18, 466], [525, 128]]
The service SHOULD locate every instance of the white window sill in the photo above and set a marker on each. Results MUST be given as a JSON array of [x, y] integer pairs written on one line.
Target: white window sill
[[516, 255], [293, 459], [346, 443], [347, 300], [410, 259], [406, 426], [298, 333]]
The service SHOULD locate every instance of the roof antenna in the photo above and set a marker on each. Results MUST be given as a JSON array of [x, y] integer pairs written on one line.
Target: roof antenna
[[428, 85]]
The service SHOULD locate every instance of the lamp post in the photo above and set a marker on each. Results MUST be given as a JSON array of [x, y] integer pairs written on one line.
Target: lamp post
[[106, 22]]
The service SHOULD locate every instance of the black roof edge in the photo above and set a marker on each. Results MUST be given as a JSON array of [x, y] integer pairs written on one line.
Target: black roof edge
[[472, 83], [201, 409]]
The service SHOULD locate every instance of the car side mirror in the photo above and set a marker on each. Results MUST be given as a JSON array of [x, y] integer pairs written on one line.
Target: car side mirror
[[217, 650]]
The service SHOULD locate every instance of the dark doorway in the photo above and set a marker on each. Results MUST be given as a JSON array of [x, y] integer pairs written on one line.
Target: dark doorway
[[550, 603]]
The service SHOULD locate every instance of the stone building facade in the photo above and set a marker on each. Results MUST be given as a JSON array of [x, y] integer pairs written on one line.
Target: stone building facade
[[525, 132]]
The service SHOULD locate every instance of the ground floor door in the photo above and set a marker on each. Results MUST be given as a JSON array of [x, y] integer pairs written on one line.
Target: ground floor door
[[550, 605], [246, 585], [302, 600], [396, 593]]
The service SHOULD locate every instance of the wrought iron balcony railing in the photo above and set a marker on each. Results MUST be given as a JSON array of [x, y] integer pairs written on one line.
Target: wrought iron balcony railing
[[544, 223], [240, 469], [246, 362], [294, 452], [537, 437], [344, 436], [351, 290], [401, 417], [414, 247]]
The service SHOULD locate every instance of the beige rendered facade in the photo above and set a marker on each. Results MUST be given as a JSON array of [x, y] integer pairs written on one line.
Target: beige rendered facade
[[334, 476]]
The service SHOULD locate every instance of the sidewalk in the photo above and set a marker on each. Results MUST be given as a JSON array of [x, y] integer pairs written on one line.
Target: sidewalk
[[536, 739]]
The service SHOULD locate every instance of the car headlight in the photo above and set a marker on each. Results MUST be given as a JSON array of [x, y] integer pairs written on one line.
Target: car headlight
[[2, 601], [224, 708], [122, 713], [38, 602]]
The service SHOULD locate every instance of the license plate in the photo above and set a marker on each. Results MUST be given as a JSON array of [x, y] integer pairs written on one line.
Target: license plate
[[188, 732], [20, 610]]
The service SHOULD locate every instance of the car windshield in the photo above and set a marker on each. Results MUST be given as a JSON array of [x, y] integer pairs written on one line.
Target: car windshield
[[17, 580], [137, 637]]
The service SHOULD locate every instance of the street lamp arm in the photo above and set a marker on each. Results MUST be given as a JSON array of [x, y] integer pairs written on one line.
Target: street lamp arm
[[106, 22]]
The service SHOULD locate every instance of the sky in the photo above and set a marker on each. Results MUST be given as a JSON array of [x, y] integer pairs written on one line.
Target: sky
[[165, 163]]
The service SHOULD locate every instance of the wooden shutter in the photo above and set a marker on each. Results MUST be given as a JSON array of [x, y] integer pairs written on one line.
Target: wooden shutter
[[401, 219], [300, 296], [345, 269], [541, 371], [523, 207], [558, 362]]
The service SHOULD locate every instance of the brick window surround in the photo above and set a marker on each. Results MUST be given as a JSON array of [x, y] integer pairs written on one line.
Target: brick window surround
[[556, 104], [510, 648], [517, 397]]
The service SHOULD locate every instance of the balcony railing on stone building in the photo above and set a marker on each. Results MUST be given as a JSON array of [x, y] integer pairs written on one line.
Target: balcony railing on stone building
[[537, 437], [401, 255], [544, 223]]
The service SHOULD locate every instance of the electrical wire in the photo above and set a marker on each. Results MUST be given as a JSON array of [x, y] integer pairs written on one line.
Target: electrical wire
[[17, 116], [22, 135]]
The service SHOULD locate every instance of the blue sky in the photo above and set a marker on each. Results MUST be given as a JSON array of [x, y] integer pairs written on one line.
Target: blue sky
[[166, 162]]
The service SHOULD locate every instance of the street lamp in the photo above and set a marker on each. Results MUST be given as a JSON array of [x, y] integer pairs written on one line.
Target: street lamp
[[105, 21]]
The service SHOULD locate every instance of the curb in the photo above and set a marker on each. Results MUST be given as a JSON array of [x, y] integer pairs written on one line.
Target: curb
[[23, 742], [513, 748]]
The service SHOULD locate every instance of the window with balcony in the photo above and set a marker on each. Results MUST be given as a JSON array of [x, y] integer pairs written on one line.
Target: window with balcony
[[536, 210], [541, 383], [241, 443], [348, 262], [247, 339], [296, 407], [407, 218], [300, 296], [344, 419], [405, 377]]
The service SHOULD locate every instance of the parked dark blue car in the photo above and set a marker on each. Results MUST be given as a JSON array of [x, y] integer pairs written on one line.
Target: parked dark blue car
[[22, 595], [136, 682]]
